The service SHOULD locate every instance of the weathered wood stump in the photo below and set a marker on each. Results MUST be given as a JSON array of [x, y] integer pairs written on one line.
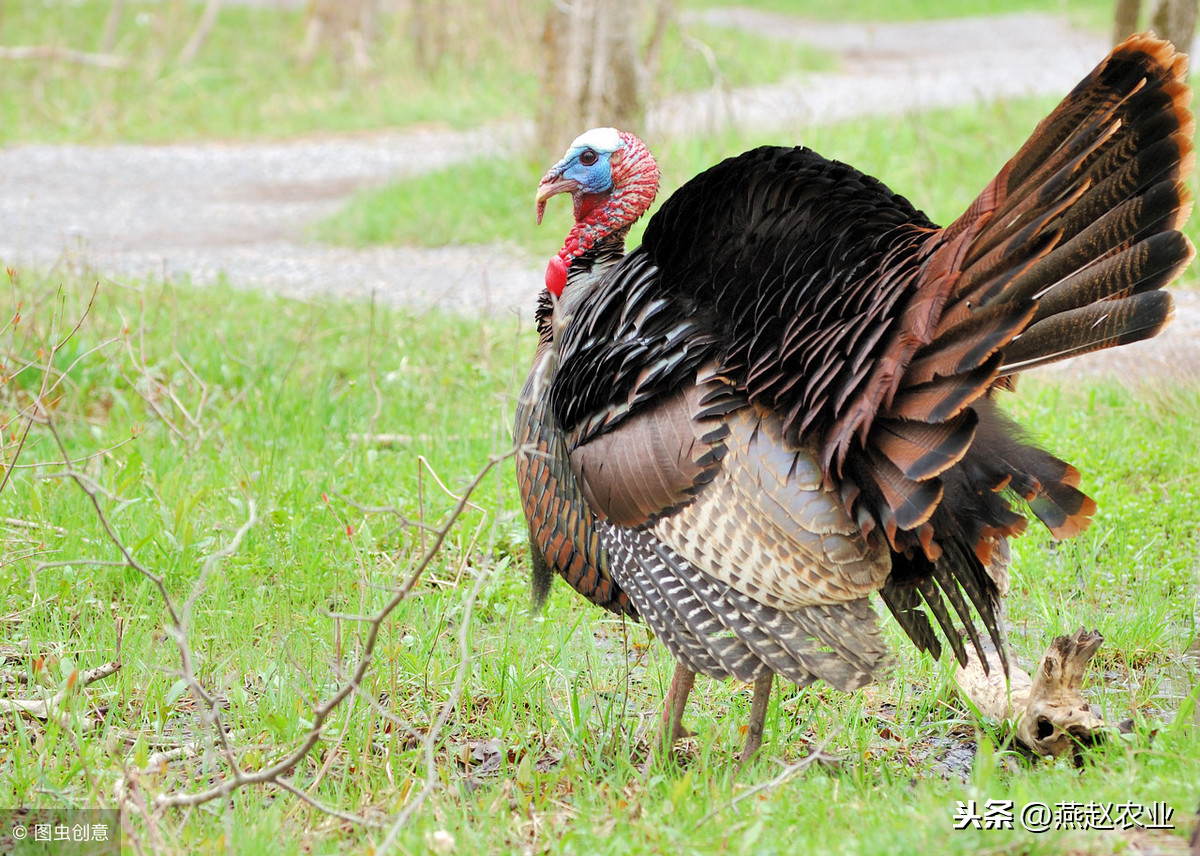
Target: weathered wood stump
[[1048, 712]]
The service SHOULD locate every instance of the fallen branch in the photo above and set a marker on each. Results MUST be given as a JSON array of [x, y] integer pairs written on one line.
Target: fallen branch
[[276, 771], [50, 709], [18, 523], [213, 736], [54, 53], [451, 704]]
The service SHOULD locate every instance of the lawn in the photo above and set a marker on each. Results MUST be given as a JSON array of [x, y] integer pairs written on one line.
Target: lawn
[[341, 434]]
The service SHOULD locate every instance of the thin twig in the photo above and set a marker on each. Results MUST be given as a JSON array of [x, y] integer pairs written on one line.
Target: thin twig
[[363, 509], [18, 523], [371, 375], [433, 735], [788, 771], [49, 709], [322, 807], [31, 413], [179, 619], [322, 713], [70, 563]]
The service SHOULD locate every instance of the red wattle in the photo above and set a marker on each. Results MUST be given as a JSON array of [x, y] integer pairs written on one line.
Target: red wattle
[[556, 276]]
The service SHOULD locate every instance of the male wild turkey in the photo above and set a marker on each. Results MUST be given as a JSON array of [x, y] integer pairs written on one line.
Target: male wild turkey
[[783, 402]]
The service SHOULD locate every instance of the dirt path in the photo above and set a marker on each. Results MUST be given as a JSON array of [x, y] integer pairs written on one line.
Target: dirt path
[[243, 210]]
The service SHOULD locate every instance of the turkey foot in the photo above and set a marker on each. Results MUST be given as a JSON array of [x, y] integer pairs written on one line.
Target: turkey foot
[[1050, 714]]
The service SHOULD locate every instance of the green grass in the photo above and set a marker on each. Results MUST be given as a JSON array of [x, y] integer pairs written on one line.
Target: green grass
[[248, 81], [540, 750]]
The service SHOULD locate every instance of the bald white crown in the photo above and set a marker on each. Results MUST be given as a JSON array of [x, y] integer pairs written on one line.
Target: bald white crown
[[600, 139]]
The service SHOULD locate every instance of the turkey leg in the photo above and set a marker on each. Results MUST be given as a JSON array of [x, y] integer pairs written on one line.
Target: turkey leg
[[672, 718], [758, 715]]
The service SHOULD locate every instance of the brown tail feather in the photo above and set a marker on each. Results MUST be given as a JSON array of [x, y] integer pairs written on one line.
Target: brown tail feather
[[1146, 266], [1090, 328], [922, 450], [1066, 251]]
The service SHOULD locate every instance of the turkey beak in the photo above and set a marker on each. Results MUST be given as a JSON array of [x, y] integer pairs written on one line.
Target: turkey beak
[[552, 184]]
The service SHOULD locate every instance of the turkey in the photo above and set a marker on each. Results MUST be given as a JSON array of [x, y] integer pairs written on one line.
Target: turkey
[[784, 401]]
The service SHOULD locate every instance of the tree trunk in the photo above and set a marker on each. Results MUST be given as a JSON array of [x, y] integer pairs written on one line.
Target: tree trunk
[[1175, 21], [200, 35], [593, 76], [664, 14], [112, 22], [348, 27], [427, 31], [1125, 19]]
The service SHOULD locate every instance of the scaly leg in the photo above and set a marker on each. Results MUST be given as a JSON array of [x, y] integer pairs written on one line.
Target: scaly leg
[[672, 718], [758, 714]]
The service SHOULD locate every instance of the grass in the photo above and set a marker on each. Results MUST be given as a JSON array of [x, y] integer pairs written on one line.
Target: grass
[[248, 82], [287, 403]]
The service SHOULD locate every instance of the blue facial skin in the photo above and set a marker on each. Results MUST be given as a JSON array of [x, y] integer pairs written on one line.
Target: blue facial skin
[[592, 178]]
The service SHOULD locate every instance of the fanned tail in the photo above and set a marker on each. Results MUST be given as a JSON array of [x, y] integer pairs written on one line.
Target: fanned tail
[[1065, 252]]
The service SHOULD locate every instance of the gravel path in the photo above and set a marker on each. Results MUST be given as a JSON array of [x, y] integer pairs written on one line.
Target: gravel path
[[243, 210]]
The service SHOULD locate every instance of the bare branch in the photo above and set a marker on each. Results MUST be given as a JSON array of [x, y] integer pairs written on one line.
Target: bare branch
[[55, 53], [321, 714], [154, 389], [326, 809], [37, 410], [433, 735], [200, 35], [404, 521], [68, 563], [185, 419], [50, 709], [18, 523]]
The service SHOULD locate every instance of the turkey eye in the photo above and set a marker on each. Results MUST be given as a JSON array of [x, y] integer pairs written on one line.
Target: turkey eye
[[588, 158]]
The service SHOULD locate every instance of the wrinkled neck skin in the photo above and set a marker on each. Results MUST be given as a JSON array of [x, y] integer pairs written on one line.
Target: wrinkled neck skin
[[584, 273], [602, 220]]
